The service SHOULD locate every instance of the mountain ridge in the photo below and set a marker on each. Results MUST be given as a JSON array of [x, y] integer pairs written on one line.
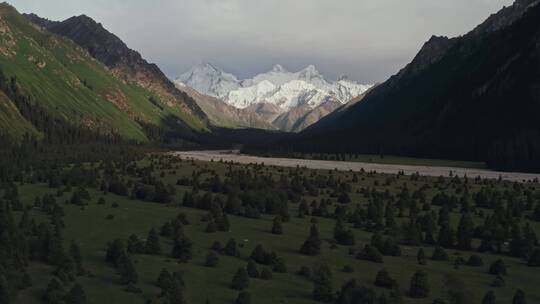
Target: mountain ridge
[[125, 63], [471, 97], [293, 93]]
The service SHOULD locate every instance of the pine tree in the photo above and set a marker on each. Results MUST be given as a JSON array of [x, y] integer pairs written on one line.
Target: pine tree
[[173, 292], [498, 268], [342, 236], [252, 269], [76, 295], [231, 248], [446, 237], [4, 290], [322, 283], [182, 249], [277, 227], [312, 245], [164, 280], [517, 242], [54, 294], [244, 297], [135, 245], [419, 287], [439, 254], [465, 232], [152, 245], [383, 279], [266, 274], [421, 257], [534, 258], [519, 297], [489, 298], [115, 250], [127, 271], [212, 259], [240, 281], [75, 253], [475, 261], [279, 265]]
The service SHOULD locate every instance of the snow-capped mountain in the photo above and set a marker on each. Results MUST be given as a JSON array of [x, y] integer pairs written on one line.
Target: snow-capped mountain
[[209, 80], [284, 90]]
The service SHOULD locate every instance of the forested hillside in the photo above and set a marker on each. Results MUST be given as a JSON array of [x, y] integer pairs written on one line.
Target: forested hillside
[[473, 97]]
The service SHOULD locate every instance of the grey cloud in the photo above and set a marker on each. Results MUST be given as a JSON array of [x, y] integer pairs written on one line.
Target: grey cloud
[[366, 39]]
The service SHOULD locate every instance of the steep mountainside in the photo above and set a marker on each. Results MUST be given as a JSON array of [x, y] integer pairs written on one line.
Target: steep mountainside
[[125, 63], [300, 118], [221, 114], [473, 97], [48, 83], [289, 95]]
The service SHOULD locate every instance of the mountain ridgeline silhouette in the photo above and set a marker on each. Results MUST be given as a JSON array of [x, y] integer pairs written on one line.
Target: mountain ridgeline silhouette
[[474, 97]]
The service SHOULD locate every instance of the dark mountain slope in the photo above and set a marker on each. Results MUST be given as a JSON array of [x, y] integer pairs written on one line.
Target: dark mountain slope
[[475, 97], [124, 62]]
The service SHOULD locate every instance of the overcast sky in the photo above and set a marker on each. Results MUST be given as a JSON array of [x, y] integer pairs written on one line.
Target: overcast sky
[[368, 40]]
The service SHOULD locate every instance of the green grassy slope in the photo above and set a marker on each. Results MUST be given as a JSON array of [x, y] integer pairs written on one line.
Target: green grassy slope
[[70, 84], [12, 123]]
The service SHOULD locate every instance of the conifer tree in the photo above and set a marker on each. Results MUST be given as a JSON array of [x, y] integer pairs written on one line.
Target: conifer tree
[[312, 245], [252, 269], [498, 268], [212, 259], [152, 245], [519, 297], [244, 297], [322, 283], [182, 249], [489, 298], [75, 253], [421, 257], [127, 271], [54, 293], [465, 232], [76, 295], [240, 281], [277, 227], [419, 287]]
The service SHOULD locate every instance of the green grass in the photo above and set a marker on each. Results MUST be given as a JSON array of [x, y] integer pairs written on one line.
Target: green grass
[[89, 226], [64, 79], [11, 120]]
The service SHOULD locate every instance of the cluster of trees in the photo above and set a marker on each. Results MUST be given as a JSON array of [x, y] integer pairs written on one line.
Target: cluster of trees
[[172, 287], [27, 240], [119, 258]]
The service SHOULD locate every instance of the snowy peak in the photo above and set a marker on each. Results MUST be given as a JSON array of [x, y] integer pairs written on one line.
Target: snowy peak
[[310, 72], [209, 80], [279, 87], [278, 68]]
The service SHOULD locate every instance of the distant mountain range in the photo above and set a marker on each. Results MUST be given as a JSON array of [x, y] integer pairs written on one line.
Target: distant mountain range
[[289, 101], [473, 97]]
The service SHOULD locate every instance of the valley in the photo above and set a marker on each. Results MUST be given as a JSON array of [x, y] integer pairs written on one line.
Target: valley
[[122, 182], [428, 168], [210, 220]]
